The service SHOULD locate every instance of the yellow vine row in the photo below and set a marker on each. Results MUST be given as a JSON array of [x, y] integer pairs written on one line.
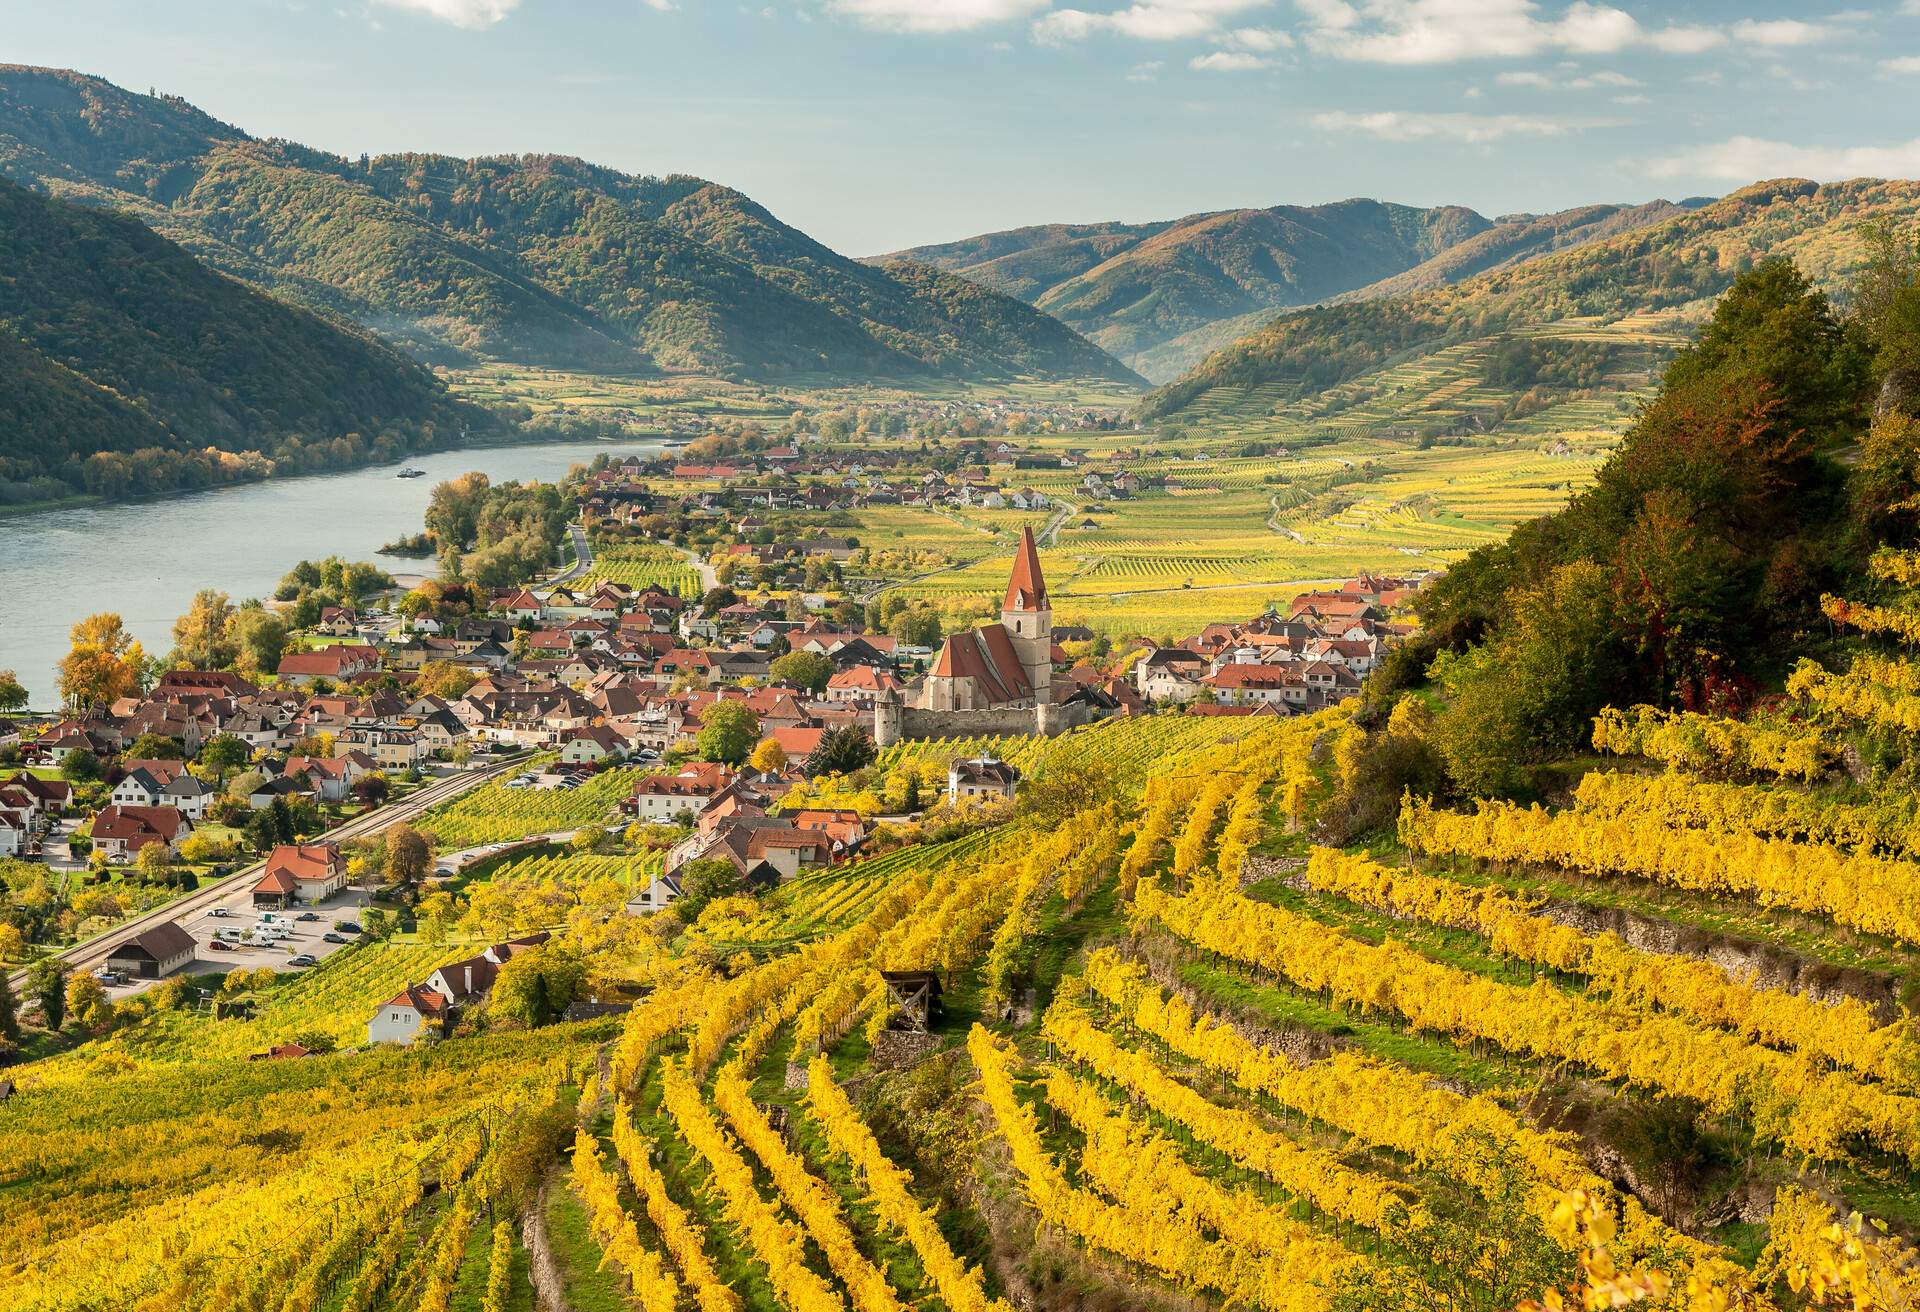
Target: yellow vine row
[[890, 1188], [1866, 892], [1844, 1033]]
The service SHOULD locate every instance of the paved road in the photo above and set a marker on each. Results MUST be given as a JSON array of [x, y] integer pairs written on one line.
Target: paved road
[[94, 952], [582, 557]]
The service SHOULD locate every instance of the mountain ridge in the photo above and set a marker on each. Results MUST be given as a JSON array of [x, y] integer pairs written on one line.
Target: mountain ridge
[[538, 259], [130, 366], [1162, 295], [1677, 263]]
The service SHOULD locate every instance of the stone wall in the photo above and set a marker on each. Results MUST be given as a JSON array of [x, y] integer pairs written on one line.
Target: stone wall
[[894, 1049]]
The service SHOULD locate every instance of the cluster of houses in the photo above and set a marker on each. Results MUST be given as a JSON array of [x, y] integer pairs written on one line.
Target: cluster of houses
[[430, 1008], [1318, 654]]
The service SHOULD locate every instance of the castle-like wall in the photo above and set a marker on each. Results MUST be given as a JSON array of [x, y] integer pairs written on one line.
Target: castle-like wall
[[911, 723]]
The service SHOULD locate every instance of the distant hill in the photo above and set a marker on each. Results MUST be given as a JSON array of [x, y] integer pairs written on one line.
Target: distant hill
[[128, 366], [1133, 287], [537, 259], [1162, 296], [1677, 263]]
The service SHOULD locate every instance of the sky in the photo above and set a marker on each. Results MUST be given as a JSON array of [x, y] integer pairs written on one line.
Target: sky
[[880, 124]]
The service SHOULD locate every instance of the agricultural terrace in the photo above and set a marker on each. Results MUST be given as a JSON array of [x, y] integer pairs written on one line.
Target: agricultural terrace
[[1240, 1069]]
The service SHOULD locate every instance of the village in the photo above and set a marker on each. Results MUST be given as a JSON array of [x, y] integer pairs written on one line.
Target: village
[[233, 820]]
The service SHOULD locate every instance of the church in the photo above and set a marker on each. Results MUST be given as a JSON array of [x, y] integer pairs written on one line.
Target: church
[[1009, 664]]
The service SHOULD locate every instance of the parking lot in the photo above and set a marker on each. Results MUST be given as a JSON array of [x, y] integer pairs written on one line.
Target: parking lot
[[235, 912]]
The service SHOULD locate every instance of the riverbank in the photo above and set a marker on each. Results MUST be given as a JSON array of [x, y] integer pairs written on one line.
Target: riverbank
[[145, 559], [519, 437]]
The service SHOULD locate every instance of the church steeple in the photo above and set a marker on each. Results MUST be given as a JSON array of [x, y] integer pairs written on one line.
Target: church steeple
[[1027, 616], [1026, 590]]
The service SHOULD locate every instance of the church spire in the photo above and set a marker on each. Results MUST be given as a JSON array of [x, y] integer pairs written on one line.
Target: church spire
[[1026, 590]]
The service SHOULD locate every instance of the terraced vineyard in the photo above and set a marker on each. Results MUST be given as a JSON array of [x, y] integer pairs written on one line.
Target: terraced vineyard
[[1207, 1076]]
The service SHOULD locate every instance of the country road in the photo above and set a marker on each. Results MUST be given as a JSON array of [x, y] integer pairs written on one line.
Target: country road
[[95, 951], [582, 557]]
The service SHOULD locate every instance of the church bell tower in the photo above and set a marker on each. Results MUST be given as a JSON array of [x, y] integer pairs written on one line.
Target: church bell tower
[[1027, 616]]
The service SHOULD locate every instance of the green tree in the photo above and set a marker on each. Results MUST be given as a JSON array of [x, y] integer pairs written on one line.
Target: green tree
[[13, 694], [703, 881], [155, 747], [258, 639], [803, 669], [80, 766], [222, 754], [728, 731], [9, 1012], [841, 750], [535, 987], [47, 985], [1532, 689], [202, 637]]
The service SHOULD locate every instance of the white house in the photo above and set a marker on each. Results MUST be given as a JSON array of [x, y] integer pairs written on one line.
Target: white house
[[414, 1011]]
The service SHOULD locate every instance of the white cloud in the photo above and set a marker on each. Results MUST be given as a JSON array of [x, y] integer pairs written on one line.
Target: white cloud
[[1449, 31], [1685, 39], [1744, 159], [1585, 82], [1904, 64], [473, 14], [1229, 61], [1407, 125], [1779, 32], [1145, 20], [1259, 38], [1146, 72], [934, 15], [668, 6]]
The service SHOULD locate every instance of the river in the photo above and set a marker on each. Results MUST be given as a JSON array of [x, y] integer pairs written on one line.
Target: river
[[146, 559]]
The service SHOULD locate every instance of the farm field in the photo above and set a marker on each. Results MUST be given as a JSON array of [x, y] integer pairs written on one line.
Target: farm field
[[1238, 534], [495, 813]]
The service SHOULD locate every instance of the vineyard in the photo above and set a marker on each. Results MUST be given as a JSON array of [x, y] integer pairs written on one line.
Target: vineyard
[[1181, 1055], [495, 813], [640, 567]]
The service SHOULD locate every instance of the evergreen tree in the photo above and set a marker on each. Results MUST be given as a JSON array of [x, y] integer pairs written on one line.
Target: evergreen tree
[[48, 986], [9, 1014]]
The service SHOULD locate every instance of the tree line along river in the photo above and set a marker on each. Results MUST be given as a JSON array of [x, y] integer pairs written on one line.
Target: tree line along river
[[146, 559]]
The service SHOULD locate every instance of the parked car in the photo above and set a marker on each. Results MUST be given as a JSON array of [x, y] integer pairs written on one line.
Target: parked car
[[218, 913], [346, 926], [331, 937], [308, 915], [304, 959], [220, 945], [110, 976]]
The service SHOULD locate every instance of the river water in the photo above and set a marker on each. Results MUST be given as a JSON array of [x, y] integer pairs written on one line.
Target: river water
[[146, 559]]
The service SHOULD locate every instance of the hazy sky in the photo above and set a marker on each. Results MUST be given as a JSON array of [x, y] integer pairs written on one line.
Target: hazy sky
[[876, 124]]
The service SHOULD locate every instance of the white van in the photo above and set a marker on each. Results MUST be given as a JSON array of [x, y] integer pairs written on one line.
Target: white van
[[229, 933]]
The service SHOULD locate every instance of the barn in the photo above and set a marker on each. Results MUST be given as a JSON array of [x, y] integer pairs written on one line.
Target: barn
[[156, 952]]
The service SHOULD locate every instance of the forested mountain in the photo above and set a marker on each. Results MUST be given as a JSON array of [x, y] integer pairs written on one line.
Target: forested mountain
[[127, 365], [1133, 288], [538, 259], [1678, 264]]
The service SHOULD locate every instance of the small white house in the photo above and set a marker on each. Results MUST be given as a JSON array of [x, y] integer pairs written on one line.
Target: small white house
[[413, 1012]]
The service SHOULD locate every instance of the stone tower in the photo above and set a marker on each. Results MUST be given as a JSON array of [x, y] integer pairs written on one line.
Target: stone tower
[[1027, 616]]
